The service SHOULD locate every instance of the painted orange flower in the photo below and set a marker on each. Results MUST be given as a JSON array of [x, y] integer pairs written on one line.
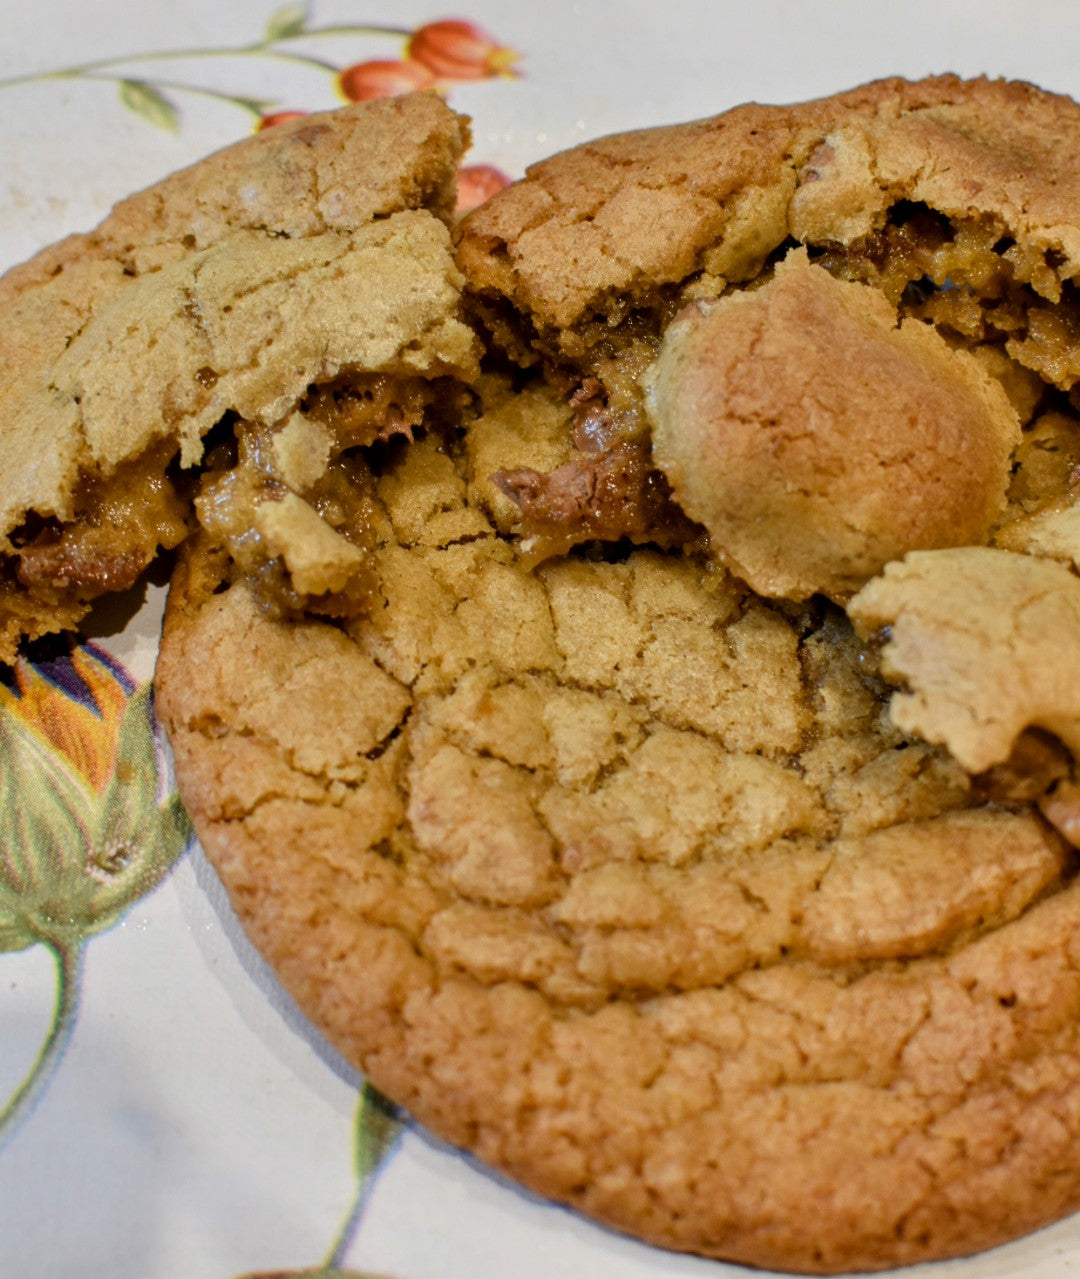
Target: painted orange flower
[[74, 702], [436, 54], [278, 117], [382, 78], [476, 182], [453, 49]]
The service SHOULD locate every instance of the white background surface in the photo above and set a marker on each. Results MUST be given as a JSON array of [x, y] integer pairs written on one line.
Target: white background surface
[[195, 1127]]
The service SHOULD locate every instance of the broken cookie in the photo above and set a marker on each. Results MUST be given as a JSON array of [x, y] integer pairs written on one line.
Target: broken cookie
[[950, 197], [1001, 658], [280, 275], [993, 674], [606, 862], [517, 706]]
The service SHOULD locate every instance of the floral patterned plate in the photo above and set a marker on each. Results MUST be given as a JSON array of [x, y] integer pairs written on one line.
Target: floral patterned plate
[[164, 1110]]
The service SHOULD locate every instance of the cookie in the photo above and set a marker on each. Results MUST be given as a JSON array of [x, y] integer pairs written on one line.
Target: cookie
[[775, 412], [609, 847], [621, 877], [905, 181], [306, 257], [952, 198]]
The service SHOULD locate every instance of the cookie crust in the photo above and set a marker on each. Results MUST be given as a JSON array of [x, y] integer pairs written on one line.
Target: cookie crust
[[608, 869], [816, 439], [607, 224], [685, 940]]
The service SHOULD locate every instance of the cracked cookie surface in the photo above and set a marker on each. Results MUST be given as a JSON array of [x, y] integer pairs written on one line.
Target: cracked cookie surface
[[621, 876], [228, 290], [605, 866]]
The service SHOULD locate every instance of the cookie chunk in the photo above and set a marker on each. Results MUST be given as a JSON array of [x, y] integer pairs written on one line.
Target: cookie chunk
[[816, 440], [985, 643], [294, 265], [950, 197]]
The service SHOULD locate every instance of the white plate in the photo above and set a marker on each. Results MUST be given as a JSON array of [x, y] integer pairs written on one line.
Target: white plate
[[194, 1126]]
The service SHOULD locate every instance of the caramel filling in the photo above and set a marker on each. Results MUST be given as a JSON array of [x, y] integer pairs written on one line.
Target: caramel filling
[[119, 525], [609, 496], [972, 279], [226, 508], [320, 456]]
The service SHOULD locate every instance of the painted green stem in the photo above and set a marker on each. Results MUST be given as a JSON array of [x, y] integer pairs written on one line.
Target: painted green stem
[[254, 106], [258, 48], [350, 1226], [87, 70], [346, 29], [378, 1128], [69, 969]]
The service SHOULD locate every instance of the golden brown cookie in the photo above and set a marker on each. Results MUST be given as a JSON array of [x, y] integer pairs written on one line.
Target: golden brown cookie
[[954, 199], [296, 259], [607, 866], [598, 243], [622, 878], [816, 439]]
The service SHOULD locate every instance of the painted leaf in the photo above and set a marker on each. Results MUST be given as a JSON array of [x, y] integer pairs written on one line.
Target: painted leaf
[[150, 103], [378, 1126], [135, 840], [45, 815], [14, 935], [74, 861], [288, 21]]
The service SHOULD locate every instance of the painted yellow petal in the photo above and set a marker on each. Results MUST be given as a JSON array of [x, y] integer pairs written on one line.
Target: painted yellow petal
[[74, 702]]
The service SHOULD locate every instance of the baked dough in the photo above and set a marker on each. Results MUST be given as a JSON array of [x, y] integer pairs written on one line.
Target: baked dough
[[295, 257], [1000, 658], [816, 439], [607, 867], [623, 879]]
